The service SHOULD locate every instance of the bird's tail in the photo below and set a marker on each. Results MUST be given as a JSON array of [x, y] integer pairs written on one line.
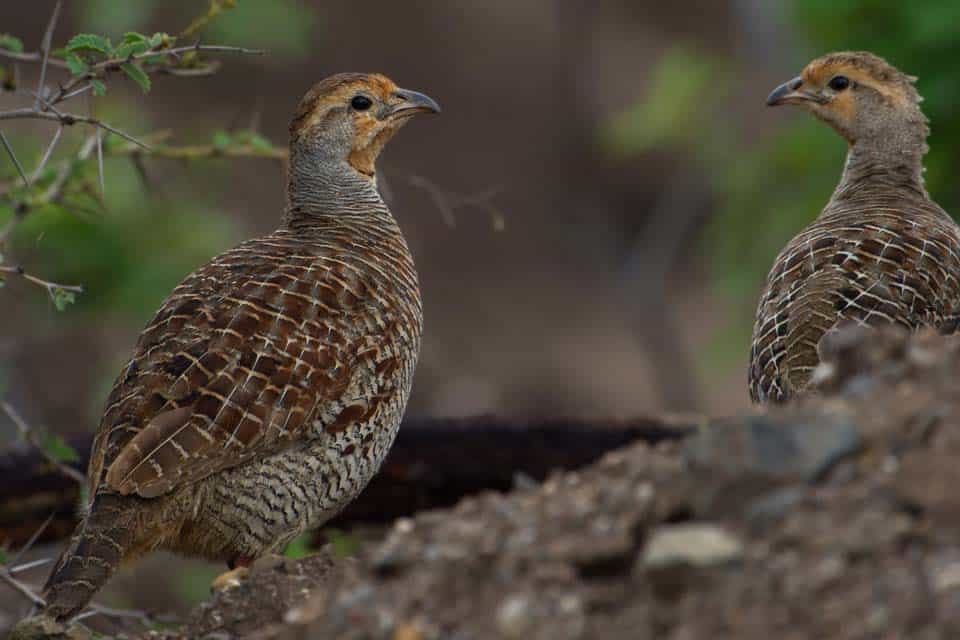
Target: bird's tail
[[95, 551]]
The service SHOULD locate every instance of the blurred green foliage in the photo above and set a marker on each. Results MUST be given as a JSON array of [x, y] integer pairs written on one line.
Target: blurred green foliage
[[59, 450], [769, 188], [300, 547], [682, 81], [131, 248], [282, 27], [770, 192]]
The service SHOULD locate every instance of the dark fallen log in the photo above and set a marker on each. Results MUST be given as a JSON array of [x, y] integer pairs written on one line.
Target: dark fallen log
[[434, 463]]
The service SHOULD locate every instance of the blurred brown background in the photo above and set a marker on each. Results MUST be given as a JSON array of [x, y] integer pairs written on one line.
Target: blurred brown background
[[584, 304], [643, 187]]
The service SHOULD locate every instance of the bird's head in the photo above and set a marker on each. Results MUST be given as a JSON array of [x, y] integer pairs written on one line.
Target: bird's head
[[859, 94], [351, 116]]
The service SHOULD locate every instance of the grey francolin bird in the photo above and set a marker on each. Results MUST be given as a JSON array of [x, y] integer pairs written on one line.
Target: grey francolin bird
[[881, 251], [267, 390]]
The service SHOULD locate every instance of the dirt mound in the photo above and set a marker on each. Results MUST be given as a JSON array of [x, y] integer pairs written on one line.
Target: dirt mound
[[835, 518]]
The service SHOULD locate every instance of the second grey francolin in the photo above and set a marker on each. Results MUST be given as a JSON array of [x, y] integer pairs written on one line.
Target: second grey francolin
[[881, 251], [269, 387]]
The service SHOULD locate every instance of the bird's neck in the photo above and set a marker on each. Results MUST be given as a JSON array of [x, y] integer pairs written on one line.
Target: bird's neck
[[321, 189], [894, 161]]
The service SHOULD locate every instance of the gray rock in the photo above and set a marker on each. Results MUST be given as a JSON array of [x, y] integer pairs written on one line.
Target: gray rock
[[691, 545], [784, 446], [515, 616]]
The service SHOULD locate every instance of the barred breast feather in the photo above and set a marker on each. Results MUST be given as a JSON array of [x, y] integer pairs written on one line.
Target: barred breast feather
[[249, 352]]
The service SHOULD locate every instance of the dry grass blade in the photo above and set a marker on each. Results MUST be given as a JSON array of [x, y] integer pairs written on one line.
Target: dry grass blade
[[21, 588], [27, 566], [32, 541], [98, 609], [45, 52]]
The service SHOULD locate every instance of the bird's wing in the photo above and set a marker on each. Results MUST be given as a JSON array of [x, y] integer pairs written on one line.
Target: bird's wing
[[241, 361], [898, 265]]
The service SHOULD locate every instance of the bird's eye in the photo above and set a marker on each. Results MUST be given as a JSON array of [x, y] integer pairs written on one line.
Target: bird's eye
[[839, 83], [361, 103]]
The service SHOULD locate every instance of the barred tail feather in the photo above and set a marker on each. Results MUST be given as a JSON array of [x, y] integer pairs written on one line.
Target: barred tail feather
[[96, 549]]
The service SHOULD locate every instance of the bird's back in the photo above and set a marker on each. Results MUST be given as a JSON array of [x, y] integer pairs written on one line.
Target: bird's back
[[256, 350], [873, 256]]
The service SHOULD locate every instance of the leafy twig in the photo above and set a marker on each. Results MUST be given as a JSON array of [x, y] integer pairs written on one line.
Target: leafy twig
[[113, 64]]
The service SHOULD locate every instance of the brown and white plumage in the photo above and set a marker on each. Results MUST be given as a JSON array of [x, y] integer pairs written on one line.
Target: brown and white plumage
[[268, 388], [880, 252]]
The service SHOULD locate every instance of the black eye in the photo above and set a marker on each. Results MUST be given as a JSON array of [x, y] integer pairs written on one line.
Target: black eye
[[361, 103], [839, 83]]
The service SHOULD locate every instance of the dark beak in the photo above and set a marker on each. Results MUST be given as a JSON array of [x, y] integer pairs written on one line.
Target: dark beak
[[413, 102], [791, 93]]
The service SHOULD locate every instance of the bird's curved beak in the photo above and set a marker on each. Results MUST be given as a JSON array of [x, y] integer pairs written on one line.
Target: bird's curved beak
[[791, 93], [411, 102]]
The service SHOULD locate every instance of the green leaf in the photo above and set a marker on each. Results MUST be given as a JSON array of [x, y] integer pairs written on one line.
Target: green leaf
[[136, 73], [57, 449], [10, 43], [260, 143], [151, 58], [61, 298], [99, 89], [133, 44], [221, 140], [284, 27], [76, 66], [3, 557], [299, 547], [344, 544], [254, 140], [160, 39], [86, 42]]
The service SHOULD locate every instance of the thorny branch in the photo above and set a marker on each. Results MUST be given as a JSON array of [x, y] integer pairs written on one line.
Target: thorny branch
[[152, 56], [159, 57]]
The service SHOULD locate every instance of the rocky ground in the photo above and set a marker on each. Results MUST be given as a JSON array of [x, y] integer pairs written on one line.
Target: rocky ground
[[836, 518]]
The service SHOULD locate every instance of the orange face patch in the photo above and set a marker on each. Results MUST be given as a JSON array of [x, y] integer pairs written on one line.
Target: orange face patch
[[819, 72], [337, 91], [370, 132]]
